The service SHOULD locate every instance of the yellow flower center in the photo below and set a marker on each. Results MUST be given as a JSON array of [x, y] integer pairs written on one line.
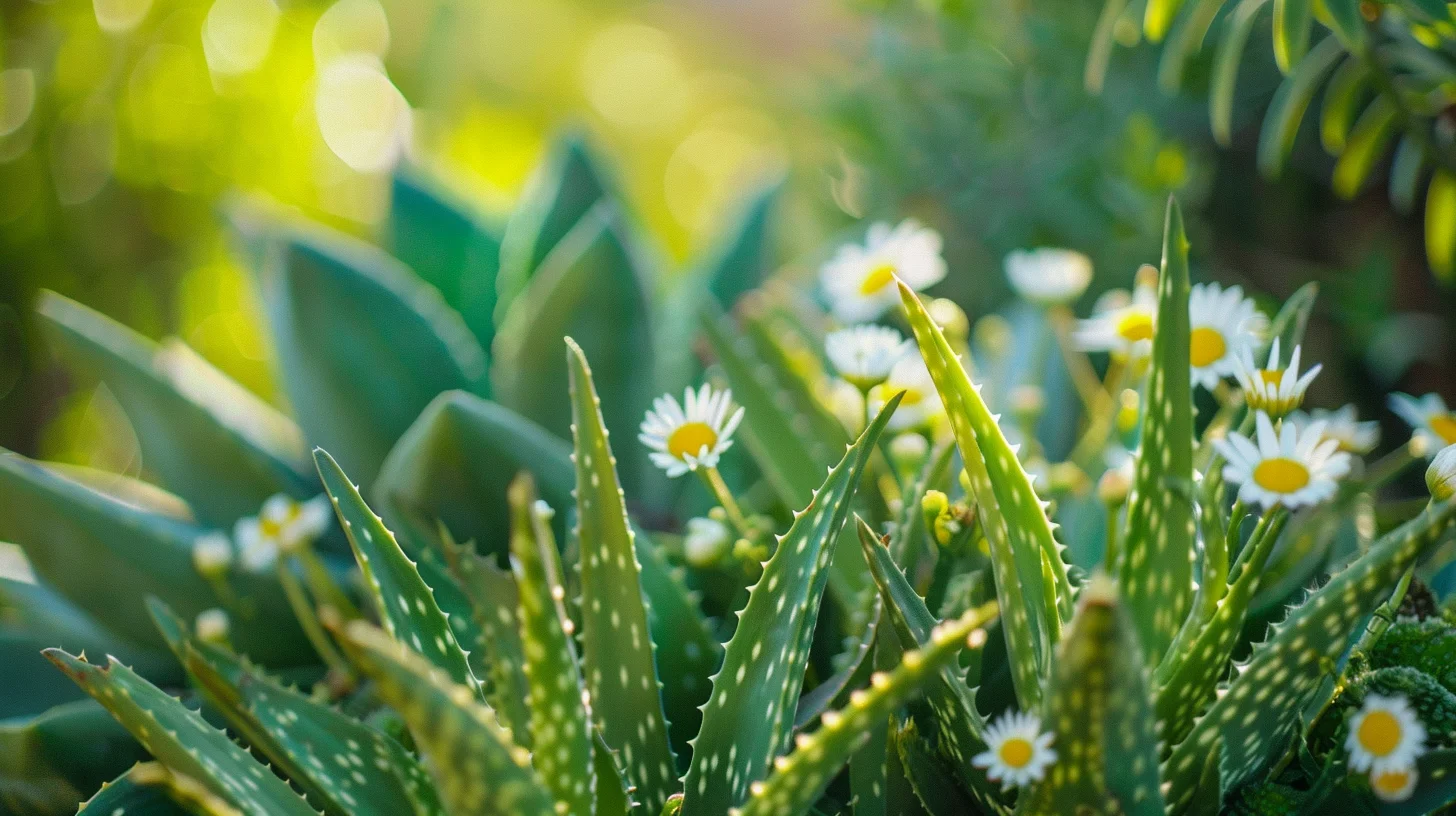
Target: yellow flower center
[[1016, 752], [1271, 376], [273, 528], [877, 279], [912, 396], [1445, 427], [1135, 325], [690, 438], [1206, 346], [1379, 733], [1280, 475], [1391, 783]]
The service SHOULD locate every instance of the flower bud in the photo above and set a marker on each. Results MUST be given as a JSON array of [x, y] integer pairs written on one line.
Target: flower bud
[[1114, 486], [212, 554], [706, 542], [212, 626], [908, 452], [1441, 475], [951, 319]]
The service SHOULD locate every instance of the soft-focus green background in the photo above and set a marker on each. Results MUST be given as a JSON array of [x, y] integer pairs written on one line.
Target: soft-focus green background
[[125, 123]]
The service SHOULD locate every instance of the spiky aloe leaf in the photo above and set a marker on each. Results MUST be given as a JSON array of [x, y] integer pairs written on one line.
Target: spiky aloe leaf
[[182, 740], [618, 659], [801, 776], [122, 795], [561, 728], [51, 761], [749, 717], [856, 661], [1156, 568], [614, 798], [1254, 720], [208, 439], [1023, 548], [455, 604], [405, 604], [476, 766], [933, 784], [1097, 706]]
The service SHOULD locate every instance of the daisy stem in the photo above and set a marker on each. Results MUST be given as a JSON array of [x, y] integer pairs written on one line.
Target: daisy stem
[[321, 583], [1389, 466], [715, 483], [308, 619], [1099, 424], [1084, 377], [1261, 542]]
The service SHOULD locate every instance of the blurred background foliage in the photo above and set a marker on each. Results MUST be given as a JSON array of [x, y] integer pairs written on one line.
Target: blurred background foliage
[[125, 125]]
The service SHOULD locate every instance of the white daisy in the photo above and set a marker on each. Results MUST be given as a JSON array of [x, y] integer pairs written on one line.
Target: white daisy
[[860, 280], [864, 355], [1222, 323], [921, 404], [1273, 390], [1385, 735], [1441, 475], [1431, 420], [1121, 325], [1341, 425], [1287, 466], [693, 435], [281, 526], [1050, 277], [1395, 784], [1018, 753]]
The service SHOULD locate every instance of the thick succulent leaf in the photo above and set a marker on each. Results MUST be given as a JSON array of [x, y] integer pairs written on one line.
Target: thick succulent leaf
[[1368, 141], [933, 784], [1441, 226], [184, 742], [1023, 549], [1347, 23], [208, 439], [1344, 91], [1292, 20], [447, 245], [1226, 62], [123, 796], [801, 776], [1186, 40], [1158, 18], [613, 796], [495, 605], [1405, 174], [1281, 123], [405, 604], [106, 557], [1156, 563], [749, 717], [362, 344], [1097, 706], [1253, 721], [1099, 53], [618, 649], [476, 766], [561, 729], [51, 761], [853, 663], [908, 541]]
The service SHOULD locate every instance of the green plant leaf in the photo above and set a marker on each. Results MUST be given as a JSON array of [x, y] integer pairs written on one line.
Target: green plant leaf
[[1367, 144], [1347, 23], [53, 760], [1252, 722], [1281, 122], [1337, 110], [618, 650], [933, 784], [1155, 568], [477, 769], [1187, 39], [1289, 324], [1158, 18], [1292, 20], [1099, 53], [801, 776], [1405, 174], [495, 604], [405, 604], [750, 716], [561, 727], [122, 795], [182, 740], [1441, 226], [1226, 62]]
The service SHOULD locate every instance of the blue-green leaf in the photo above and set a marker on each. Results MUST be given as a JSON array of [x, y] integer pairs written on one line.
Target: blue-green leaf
[[51, 761], [1292, 19], [1281, 123], [1226, 62], [122, 795]]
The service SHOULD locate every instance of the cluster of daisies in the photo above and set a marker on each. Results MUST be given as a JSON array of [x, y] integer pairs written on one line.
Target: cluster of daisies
[[1385, 739]]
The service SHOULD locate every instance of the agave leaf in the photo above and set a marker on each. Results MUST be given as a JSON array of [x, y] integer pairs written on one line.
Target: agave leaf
[[1337, 111], [1226, 64], [1292, 19], [477, 768], [1097, 706], [182, 740], [210, 441], [1281, 123], [363, 345], [749, 717], [1368, 140], [448, 246], [106, 557], [123, 795], [801, 776], [495, 605], [561, 728], [1155, 568], [1441, 226], [51, 761], [1158, 18], [405, 604], [618, 649], [1252, 723]]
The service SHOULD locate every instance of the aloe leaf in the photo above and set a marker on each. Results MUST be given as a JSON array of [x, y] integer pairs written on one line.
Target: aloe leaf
[[1097, 707], [405, 604], [1405, 174], [932, 783], [561, 728], [122, 796], [1226, 62], [1337, 110], [182, 740], [800, 777], [106, 557], [362, 344], [613, 795], [448, 246], [1187, 38], [1015, 520], [618, 650], [55, 759], [749, 717], [208, 439], [495, 605], [1441, 226], [1281, 123], [1158, 18], [1252, 722], [817, 700], [1368, 140], [908, 542], [477, 768], [1155, 568], [1347, 23], [1292, 19]]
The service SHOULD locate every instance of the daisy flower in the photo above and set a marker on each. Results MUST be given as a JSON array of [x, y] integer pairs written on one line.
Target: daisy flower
[[1385, 735], [1395, 784], [860, 280], [1342, 426], [1049, 277], [1273, 390], [692, 435], [1288, 466], [921, 403], [1018, 752], [1222, 324], [1441, 475], [1431, 420], [864, 355], [283, 525], [1121, 325]]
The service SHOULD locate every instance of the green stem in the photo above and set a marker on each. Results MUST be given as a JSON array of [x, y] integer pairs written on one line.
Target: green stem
[[1270, 525], [1389, 466], [308, 619], [321, 583], [714, 480], [1094, 439]]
